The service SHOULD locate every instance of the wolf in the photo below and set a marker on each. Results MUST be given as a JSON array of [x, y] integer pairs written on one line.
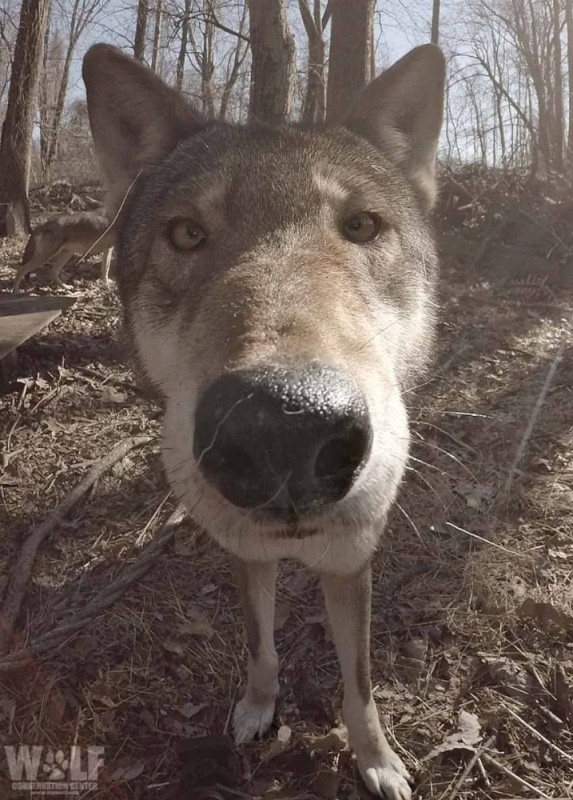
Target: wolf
[[278, 284], [61, 237]]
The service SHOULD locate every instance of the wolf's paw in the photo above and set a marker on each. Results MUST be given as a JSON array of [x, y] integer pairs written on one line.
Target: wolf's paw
[[389, 778], [251, 719]]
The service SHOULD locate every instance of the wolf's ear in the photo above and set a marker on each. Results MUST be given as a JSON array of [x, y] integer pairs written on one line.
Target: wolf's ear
[[136, 120], [401, 112]]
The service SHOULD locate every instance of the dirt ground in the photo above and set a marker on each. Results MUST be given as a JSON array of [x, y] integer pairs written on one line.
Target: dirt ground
[[473, 585]]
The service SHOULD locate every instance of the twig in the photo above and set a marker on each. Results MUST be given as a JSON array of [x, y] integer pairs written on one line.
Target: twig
[[469, 766], [233, 792], [538, 735], [102, 600], [23, 568], [515, 777], [547, 229], [483, 539], [483, 773], [114, 220], [537, 408]]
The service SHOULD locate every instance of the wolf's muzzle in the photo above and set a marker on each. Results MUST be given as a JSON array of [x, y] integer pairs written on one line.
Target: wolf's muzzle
[[284, 441]]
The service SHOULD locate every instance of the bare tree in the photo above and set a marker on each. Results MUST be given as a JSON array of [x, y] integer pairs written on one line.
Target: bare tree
[[314, 105], [141, 30], [516, 45], [202, 39], [240, 50], [185, 21], [157, 36], [569, 23], [44, 98], [435, 35], [273, 62], [350, 62], [16, 140], [212, 43], [83, 12], [558, 111]]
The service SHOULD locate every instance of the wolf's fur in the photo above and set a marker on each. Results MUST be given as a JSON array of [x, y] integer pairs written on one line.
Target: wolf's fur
[[276, 284], [63, 236]]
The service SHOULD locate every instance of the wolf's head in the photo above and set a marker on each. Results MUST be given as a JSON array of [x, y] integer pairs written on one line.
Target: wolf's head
[[278, 286]]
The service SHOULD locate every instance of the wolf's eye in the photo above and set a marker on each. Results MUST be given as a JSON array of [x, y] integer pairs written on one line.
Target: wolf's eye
[[362, 227], [184, 234]]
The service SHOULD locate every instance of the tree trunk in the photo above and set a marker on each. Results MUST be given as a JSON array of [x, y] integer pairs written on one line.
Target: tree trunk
[[273, 62], [157, 35], [238, 58], [63, 88], [314, 105], [559, 132], [44, 111], [16, 140], [569, 19], [183, 46], [541, 86], [141, 30], [350, 56], [207, 70], [435, 36]]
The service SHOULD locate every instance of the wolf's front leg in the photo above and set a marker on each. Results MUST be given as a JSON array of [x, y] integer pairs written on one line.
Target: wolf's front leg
[[348, 599], [254, 713]]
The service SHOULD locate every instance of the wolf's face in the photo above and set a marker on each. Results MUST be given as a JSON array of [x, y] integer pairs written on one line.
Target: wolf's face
[[278, 286]]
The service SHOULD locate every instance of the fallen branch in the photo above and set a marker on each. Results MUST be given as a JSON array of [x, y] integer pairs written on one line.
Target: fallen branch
[[469, 766], [510, 774], [555, 362], [102, 600], [20, 574], [538, 735]]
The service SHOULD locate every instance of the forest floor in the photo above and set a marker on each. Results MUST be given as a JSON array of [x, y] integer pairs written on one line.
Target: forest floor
[[472, 636]]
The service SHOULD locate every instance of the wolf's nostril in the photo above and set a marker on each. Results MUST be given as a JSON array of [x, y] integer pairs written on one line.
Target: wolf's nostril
[[231, 458], [339, 459], [240, 473]]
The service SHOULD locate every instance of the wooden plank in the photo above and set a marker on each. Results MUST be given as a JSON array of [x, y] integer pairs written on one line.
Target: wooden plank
[[22, 316]]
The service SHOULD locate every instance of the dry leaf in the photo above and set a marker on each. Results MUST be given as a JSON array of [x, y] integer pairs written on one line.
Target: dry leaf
[[85, 645], [322, 620], [173, 647], [298, 581], [411, 663], [110, 395], [416, 649], [104, 700], [7, 705], [545, 616], [476, 494], [563, 702], [334, 741], [326, 784], [191, 709], [197, 624], [465, 738], [560, 555], [184, 543], [127, 772], [513, 680], [278, 745]]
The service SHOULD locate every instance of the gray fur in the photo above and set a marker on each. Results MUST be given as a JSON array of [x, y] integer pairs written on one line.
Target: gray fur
[[275, 282]]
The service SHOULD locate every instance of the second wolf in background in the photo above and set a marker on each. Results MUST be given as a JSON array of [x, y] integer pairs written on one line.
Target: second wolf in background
[[63, 236]]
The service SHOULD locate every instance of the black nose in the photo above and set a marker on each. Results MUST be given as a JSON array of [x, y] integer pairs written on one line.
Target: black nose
[[284, 441]]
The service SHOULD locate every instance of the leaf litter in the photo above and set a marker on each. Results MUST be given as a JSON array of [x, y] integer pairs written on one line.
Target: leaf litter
[[164, 664]]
